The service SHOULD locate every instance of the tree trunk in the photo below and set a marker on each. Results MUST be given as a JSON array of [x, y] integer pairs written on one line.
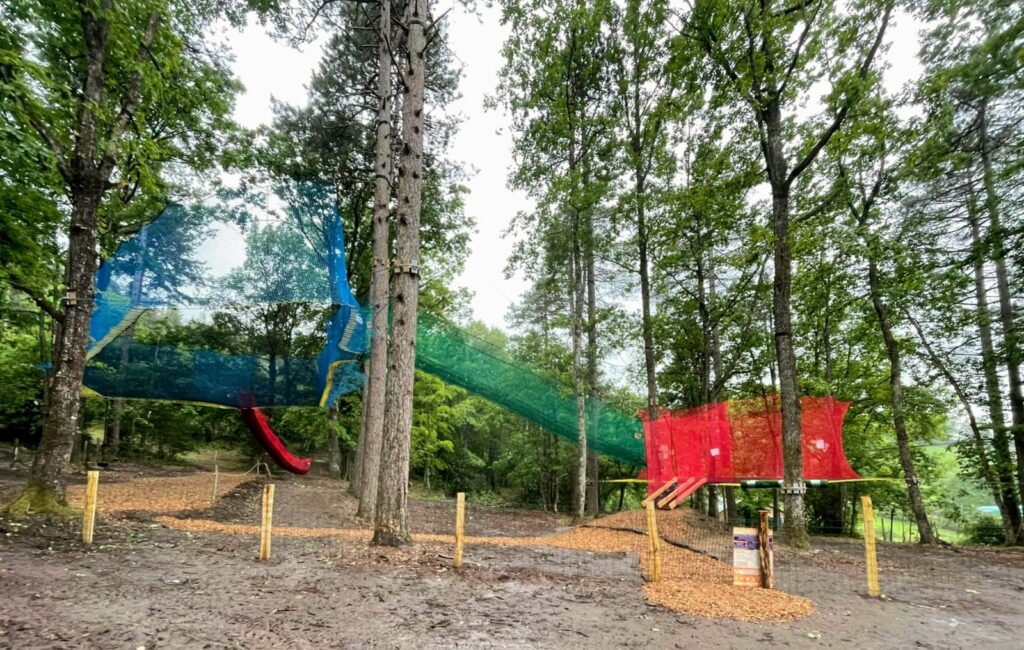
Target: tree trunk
[[795, 527], [1000, 485], [1003, 466], [368, 468], [892, 348], [647, 320], [63, 420], [391, 517], [333, 449], [593, 505], [713, 501], [112, 430], [578, 289], [1011, 341]]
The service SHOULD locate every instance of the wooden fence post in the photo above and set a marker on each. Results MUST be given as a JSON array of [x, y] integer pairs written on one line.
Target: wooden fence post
[[92, 485], [14, 458], [654, 542], [460, 527], [764, 542], [870, 557], [216, 480], [268, 518]]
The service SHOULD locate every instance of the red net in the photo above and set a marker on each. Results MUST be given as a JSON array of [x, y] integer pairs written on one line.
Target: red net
[[741, 440]]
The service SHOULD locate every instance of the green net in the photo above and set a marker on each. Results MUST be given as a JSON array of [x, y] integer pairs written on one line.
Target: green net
[[459, 358]]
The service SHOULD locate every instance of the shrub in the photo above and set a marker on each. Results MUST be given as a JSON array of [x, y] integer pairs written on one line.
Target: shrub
[[984, 529]]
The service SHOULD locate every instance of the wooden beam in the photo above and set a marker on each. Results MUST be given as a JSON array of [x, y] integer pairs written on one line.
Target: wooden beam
[[654, 541], [460, 527], [693, 487], [657, 493], [870, 557], [671, 496], [92, 487], [268, 521]]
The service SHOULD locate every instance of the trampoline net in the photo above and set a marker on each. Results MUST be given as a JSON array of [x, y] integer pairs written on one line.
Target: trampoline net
[[224, 307], [741, 440]]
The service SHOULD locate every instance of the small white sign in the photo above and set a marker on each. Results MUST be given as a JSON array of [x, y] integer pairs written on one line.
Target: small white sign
[[714, 451], [819, 443]]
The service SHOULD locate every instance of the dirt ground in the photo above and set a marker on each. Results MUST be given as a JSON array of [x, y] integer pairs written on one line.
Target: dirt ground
[[144, 584]]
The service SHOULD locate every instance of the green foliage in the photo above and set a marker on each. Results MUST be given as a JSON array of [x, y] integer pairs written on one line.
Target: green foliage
[[20, 382], [984, 529]]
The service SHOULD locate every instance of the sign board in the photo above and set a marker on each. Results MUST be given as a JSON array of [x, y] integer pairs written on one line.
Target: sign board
[[746, 557]]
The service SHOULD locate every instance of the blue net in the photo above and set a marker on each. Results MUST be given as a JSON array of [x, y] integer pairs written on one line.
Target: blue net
[[227, 308]]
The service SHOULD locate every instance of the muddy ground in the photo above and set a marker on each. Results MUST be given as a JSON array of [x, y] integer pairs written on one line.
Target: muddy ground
[[144, 585]]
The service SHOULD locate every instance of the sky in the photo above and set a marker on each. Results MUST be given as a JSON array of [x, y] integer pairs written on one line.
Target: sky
[[483, 144], [271, 69]]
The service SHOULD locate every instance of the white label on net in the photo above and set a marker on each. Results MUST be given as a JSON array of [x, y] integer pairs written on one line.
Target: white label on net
[[714, 451], [819, 443]]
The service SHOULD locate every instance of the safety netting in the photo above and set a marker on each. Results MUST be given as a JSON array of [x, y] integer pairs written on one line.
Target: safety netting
[[457, 357], [741, 440], [227, 307]]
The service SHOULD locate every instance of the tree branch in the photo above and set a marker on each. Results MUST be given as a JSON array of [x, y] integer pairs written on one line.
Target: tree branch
[[840, 116], [131, 102]]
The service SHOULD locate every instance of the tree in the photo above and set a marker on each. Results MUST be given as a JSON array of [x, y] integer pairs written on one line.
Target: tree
[[972, 92], [648, 94], [767, 55], [391, 516], [556, 87], [372, 433], [865, 170], [113, 94]]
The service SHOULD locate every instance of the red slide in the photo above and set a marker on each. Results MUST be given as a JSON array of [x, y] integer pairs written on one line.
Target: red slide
[[268, 440]]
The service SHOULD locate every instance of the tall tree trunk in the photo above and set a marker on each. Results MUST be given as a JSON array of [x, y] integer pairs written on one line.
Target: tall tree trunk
[[63, 420], [795, 527], [647, 320], [1008, 510], [1003, 466], [1011, 341], [333, 449], [391, 526], [112, 430], [578, 297], [593, 504], [892, 348], [372, 434]]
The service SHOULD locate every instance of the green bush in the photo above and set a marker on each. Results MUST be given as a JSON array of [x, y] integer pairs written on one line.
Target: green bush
[[984, 529]]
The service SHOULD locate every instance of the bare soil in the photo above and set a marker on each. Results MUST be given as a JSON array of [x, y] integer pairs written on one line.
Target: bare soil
[[143, 584]]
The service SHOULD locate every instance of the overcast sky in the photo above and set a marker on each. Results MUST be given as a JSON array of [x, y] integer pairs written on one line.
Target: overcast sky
[[483, 144], [271, 69]]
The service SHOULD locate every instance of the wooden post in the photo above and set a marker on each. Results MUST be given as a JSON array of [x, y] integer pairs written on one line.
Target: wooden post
[[764, 543], [460, 527], [871, 560], [268, 519], [14, 459], [92, 485], [654, 542], [216, 480]]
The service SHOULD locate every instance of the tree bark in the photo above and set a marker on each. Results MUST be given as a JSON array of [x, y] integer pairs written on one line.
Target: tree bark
[[1011, 342], [368, 468], [578, 289], [333, 449], [892, 348], [391, 526], [997, 485], [593, 504], [795, 527], [1003, 469]]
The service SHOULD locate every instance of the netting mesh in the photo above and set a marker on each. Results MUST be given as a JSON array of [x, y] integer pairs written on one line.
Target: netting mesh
[[225, 308], [457, 357], [742, 440]]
